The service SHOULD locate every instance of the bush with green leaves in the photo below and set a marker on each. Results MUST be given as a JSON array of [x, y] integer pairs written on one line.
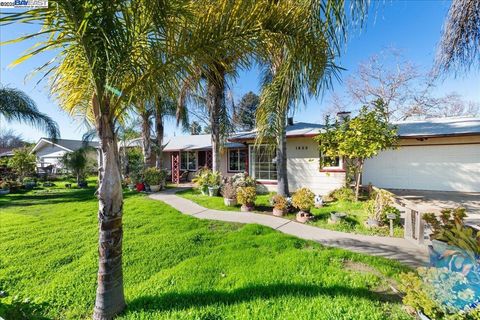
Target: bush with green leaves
[[246, 195], [303, 199], [279, 202], [22, 162], [342, 194], [228, 189], [243, 180], [154, 176]]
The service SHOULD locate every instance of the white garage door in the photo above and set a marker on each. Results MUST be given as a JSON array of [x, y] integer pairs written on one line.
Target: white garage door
[[445, 168]]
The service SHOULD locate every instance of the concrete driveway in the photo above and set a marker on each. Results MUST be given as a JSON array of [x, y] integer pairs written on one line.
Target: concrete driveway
[[435, 201]]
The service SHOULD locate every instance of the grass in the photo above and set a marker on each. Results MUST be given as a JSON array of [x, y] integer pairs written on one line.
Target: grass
[[178, 267], [354, 222]]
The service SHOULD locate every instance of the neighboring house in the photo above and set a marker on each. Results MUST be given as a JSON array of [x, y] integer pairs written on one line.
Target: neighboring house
[[435, 154], [49, 153]]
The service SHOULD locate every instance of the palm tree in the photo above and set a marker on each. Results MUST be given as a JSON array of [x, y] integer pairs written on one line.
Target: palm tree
[[460, 44], [15, 105], [299, 63], [76, 161], [102, 60]]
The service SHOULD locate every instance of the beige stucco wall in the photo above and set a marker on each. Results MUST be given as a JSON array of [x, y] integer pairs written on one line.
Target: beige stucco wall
[[304, 169]]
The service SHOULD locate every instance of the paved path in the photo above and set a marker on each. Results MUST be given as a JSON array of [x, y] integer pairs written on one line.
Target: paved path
[[392, 248]]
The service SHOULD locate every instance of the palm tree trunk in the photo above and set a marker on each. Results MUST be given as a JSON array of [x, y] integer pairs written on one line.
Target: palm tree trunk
[[159, 130], [110, 299], [146, 140], [281, 148], [215, 103]]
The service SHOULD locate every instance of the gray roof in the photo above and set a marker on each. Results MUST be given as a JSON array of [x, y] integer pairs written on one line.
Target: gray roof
[[438, 127], [193, 142], [70, 145], [298, 129]]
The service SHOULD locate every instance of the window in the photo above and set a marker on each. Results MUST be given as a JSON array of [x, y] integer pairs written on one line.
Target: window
[[330, 162], [237, 160], [263, 164], [188, 160]]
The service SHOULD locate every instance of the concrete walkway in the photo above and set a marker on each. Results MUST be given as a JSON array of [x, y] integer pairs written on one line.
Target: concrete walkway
[[392, 248]]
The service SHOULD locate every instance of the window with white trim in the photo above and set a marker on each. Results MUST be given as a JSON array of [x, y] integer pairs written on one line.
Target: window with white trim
[[188, 160], [263, 163], [237, 160], [330, 162]]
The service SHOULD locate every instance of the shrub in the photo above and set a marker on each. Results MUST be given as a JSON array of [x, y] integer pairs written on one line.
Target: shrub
[[4, 185], [246, 195], [214, 178], [228, 190], [154, 176], [342, 194], [303, 199], [243, 180], [380, 204], [279, 202], [207, 178]]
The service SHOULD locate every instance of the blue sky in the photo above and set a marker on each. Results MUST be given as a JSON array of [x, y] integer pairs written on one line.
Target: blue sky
[[414, 27]]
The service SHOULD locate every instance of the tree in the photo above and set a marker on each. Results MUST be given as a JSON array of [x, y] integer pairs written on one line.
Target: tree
[[358, 139], [406, 91], [9, 139], [102, 60], [244, 116], [15, 105], [76, 161], [298, 64], [460, 43], [195, 128], [22, 162]]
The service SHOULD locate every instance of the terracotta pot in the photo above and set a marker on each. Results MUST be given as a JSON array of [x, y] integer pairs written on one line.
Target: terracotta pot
[[230, 202], [247, 207], [155, 188], [278, 212], [303, 216], [140, 186]]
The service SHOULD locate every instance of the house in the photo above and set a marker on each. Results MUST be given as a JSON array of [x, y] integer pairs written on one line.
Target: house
[[435, 154], [50, 152]]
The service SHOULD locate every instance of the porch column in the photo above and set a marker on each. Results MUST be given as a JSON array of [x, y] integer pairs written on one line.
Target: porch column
[[209, 159], [176, 167]]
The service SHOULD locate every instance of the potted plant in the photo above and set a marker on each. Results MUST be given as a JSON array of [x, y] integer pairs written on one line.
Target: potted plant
[[303, 199], [229, 193], [201, 180], [129, 183], [246, 196], [154, 178], [213, 182], [280, 205], [4, 188]]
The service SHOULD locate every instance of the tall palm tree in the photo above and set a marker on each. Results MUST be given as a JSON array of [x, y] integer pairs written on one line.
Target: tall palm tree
[[15, 105], [102, 60], [298, 63], [460, 44]]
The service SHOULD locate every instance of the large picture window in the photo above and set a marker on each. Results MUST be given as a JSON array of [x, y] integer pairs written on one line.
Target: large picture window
[[263, 165], [237, 160], [188, 160]]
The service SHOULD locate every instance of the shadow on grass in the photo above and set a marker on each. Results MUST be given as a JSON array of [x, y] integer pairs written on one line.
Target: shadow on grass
[[24, 198], [185, 300], [23, 310]]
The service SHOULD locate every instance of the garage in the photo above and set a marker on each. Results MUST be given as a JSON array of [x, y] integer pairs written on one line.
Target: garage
[[426, 167]]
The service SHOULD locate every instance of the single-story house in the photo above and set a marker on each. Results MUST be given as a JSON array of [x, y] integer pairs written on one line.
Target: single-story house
[[435, 154], [49, 153]]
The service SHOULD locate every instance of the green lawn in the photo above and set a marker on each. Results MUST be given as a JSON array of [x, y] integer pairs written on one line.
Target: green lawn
[[178, 267], [354, 223]]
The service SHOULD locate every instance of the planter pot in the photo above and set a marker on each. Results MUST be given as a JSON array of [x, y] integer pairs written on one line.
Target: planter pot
[[30, 185], [230, 202], [303, 216], [213, 191], [2, 192], [278, 212], [373, 223], [131, 187], [155, 187], [247, 207], [337, 217], [140, 187]]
